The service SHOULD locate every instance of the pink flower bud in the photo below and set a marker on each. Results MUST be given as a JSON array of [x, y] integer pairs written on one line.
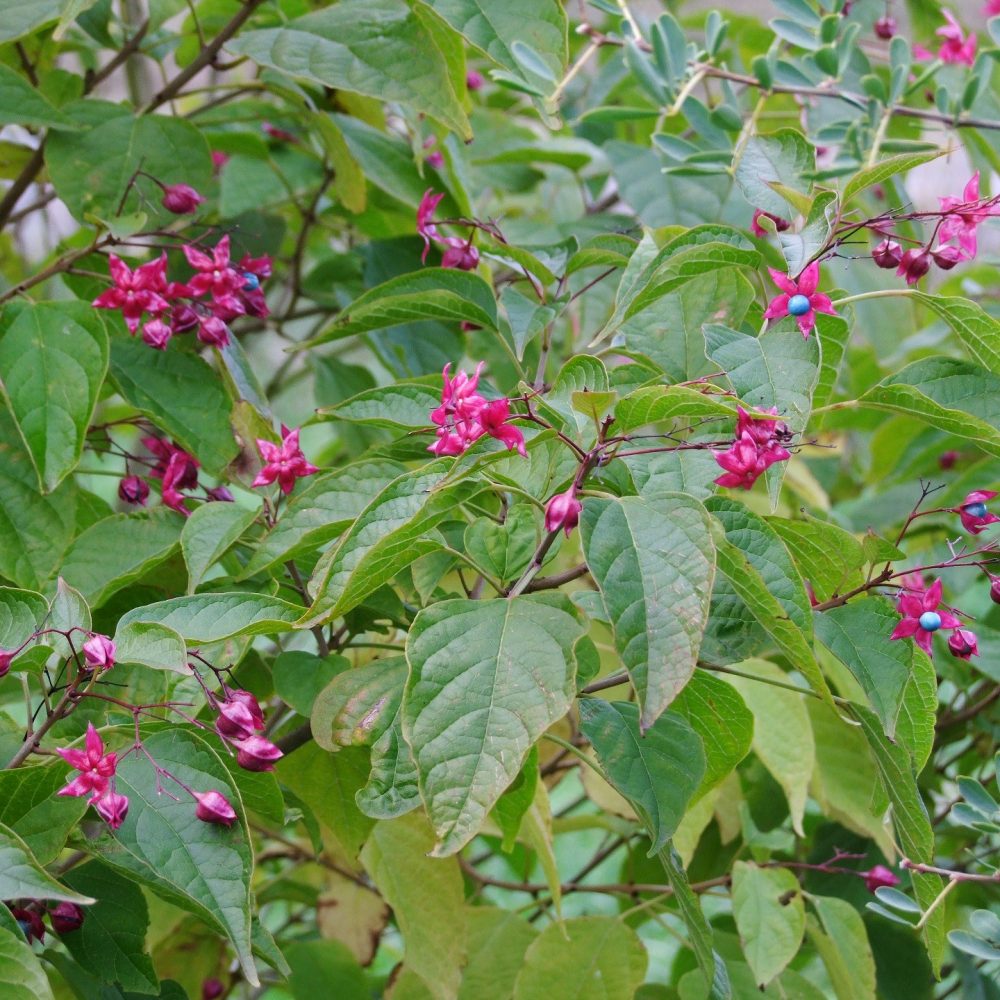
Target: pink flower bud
[[914, 264], [995, 589], [563, 512], [235, 721], [183, 318], [947, 257], [282, 135], [214, 807], [66, 917], [30, 922], [157, 334], [257, 754], [780, 224], [133, 489], [219, 160], [111, 807], [213, 331], [220, 493], [435, 159], [99, 652], [887, 254], [6, 658], [880, 876], [461, 255], [474, 80], [962, 643], [212, 989], [249, 702], [181, 199], [947, 459], [885, 27]]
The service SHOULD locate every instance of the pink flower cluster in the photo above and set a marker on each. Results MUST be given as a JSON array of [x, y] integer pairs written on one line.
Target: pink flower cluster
[[457, 253], [176, 469], [65, 918], [96, 778], [799, 298], [956, 47], [759, 444], [464, 416], [239, 720], [284, 463], [216, 294]]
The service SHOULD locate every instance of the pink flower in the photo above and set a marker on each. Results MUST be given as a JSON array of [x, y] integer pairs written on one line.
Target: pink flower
[[460, 254], [220, 494], [284, 463], [183, 318], [282, 135], [963, 216], [743, 463], [992, 8], [111, 807], [212, 989], [799, 298], [947, 257], [254, 270], [995, 589], [880, 876], [99, 651], [955, 47], [135, 292], [493, 417], [66, 917], [216, 276], [464, 416], [780, 224], [913, 583], [425, 212], [257, 754], [947, 459], [30, 921], [235, 721], [181, 199], [474, 79], [962, 643], [133, 489], [95, 766], [213, 331], [219, 160], [922, 617], [973, 512], [214, 807], [157, 334], [181, 473], [250, 703], [914, 264], [563, 512]]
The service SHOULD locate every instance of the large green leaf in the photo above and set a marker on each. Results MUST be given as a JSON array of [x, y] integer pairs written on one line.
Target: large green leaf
[[111, 942], [770, 916], [325, 968], [827, 556], [21, 17], [378, 48], [652, 404], [22, 613], [181, 394], [784, 158], [392, 788], [591, 958], [435, 293], [655, 562], [151, 644], [358, 705], [388, 535], [488, 677], [21, 974], [53, 358], [118, 550], [883, 171], [978, 331], [658, 772], [31, 808], [954, 396], [208, 534], [498, 940], [202, 868], [22, 877], [402, 406], [842, 942]]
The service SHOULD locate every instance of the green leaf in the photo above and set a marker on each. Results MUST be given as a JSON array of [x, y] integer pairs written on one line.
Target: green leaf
[[202, 868], [22, 613], [300, 677], [591, 958], [151, 644], [858, 634], [881, 172], [401, 406], [325, 968], [119, 550], [31, 808], [53, 358], [378, 48], [918, 711], [23, 104], [388, 535], [503, 549], [513, 805], [782, 732], [21, 974], [954, 396], [110, 943], [21, 17], [497, 941], [658, 772], [437, 293], [181, 394], [770, 916], [826, 555], [21, 876], [490, 676], [654, 563], [654, 403], [785, 158], [208, 534], [358, 705], [978, 331], [68, 609], [427, 899], [92, 168], [206, 618], [843, 945], [392, 788]]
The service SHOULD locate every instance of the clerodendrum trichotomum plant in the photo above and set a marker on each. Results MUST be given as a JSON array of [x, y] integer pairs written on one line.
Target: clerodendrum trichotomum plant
[[498, 500]]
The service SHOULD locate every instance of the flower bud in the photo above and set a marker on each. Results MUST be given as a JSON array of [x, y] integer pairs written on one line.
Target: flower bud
[[947, 257], [887, 254], [962, 643], [214, 807], [99, 652], [885, 27], [880, 876], [212, 989], [111, 807], [219, 160], [250, 703], [947, 459], [183, 318], [435, 159], [66, 917], [235, 721], [563, 512], [474, 80], [257, 754], [995, 589], [220, 493], [30, 922], [914, 264], [461, 255], [281, 134], [133, 489], [157, 334], [181, 199], [213, 331], [6, 658]]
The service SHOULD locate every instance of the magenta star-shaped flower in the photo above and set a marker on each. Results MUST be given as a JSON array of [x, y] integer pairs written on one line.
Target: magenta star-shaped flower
[[973, 512], [964, 215], [284, 463], [216, 277], [95, 766], [922, 617], [135, 292], [799, 298]]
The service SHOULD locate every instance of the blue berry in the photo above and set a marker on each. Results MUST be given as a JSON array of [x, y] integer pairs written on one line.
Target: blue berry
[[975, 509], [798, 305], [250, 282], [930, 621]]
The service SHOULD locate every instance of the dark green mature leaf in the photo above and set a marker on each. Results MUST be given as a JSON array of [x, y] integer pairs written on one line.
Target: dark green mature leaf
[[658, 772], [388, 535], [21, 974], [22, 877], [200, 867], [392, 788], [30, 806], [438, 293], [826, 555], [208, 534], [978, 331], [402, 406], [858, 634], [654, 562], [378, 48], [955, 396], [22, 613], [591, 958], [325, 968], [490, 677], [782, 158], [652, 404], [151, 644], [205, 618], [20, 17], [119, 550], [300, 677], [110, 943], [358, 705], [181, 394], [503, 550], [871, 176], [23, 104]]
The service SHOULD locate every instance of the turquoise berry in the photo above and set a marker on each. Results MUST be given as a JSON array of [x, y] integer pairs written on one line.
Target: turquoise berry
[[930, 621], [250, 282], [975, 509], [798, 305]]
